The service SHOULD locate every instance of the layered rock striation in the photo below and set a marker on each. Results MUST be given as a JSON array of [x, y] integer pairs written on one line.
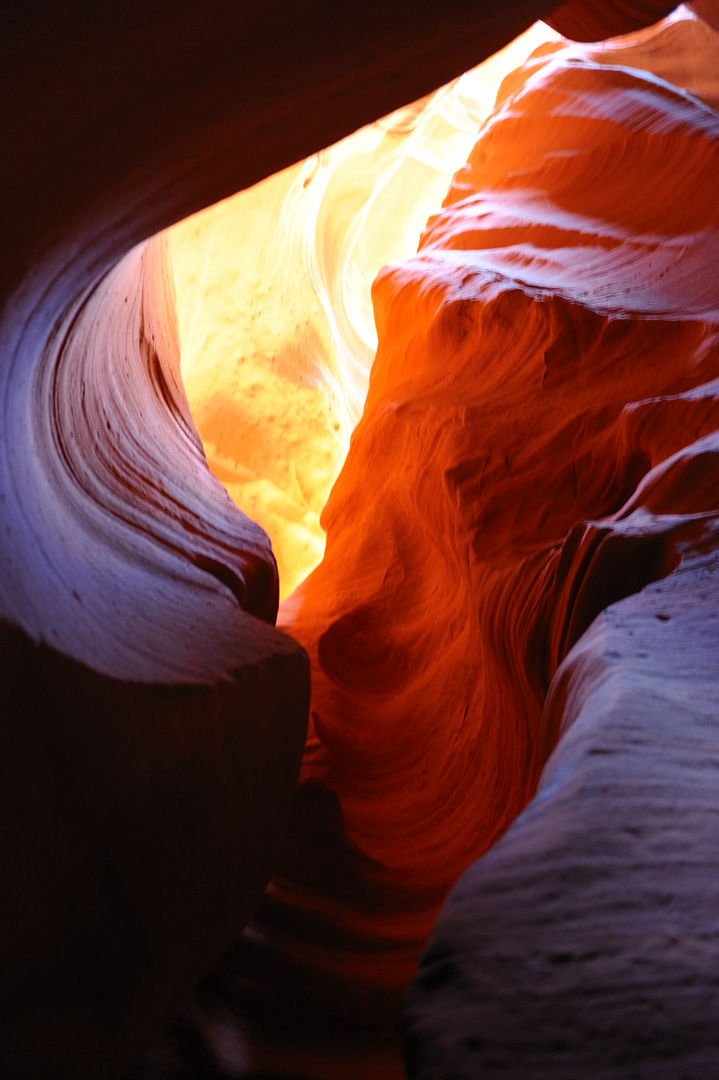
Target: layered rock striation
[[584, 942], [145, 689], [537, 445]]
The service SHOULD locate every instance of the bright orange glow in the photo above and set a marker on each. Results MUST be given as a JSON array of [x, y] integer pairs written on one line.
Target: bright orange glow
[[273, 301]]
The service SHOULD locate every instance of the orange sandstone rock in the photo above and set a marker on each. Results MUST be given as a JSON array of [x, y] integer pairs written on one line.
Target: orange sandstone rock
[[584, 943], [554, 313], [527, 456], [152, 718]]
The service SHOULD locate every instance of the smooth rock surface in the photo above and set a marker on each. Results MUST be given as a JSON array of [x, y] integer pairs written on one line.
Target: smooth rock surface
[[546, 365], [152, 717], [585, 943]]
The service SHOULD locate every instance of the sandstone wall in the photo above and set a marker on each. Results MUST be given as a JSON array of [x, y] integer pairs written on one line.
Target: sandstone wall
[[153, 719]]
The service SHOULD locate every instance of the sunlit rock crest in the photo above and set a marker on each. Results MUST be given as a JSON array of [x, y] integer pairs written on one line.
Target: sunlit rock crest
[[274, 307], [145, 686]]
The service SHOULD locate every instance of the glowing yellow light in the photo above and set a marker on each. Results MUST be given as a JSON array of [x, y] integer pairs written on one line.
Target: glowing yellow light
[[273, 301]]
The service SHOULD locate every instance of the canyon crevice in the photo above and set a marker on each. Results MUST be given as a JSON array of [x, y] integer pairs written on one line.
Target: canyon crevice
[[511, 637]]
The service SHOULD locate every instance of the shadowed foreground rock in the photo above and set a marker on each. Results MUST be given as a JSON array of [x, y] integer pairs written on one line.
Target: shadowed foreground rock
[[153, 718], [586, 942]]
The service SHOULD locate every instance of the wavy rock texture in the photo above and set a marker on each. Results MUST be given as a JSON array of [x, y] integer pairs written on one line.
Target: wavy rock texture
[[152, 718], [537, 443], [585, 943], [528, 360], [273, 297], [544, 392], [144, 692]]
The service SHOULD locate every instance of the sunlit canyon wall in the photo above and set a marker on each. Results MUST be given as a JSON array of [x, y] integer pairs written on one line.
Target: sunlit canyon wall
[[527, 456], [520, 553], [274, 306]]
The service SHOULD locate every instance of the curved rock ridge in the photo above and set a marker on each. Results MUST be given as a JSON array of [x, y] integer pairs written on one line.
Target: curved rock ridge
[[152, 729], [585, 942], [530, 357], [682, 54], [153, 717], [537, 444], [115, 499]]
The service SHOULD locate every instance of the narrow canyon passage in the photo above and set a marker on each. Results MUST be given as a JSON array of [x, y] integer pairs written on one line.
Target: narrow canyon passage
[[405, 759], [539, 413], [274, 309]]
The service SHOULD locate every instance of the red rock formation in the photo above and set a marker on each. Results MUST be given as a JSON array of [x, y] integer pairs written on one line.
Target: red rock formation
[[527, 457], [152, 719], [583, 944], [555, 311], [514, 390], [708, 10]]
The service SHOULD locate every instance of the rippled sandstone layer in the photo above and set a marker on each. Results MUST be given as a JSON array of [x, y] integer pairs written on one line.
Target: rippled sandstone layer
[[537, 444], [539, 356], [152, 718]]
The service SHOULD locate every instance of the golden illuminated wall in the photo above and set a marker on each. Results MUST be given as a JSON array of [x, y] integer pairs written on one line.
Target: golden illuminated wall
[[273, 301], [520, 532]]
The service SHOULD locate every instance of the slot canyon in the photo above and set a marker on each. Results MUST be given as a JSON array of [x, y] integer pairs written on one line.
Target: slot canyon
[[359, 593]]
